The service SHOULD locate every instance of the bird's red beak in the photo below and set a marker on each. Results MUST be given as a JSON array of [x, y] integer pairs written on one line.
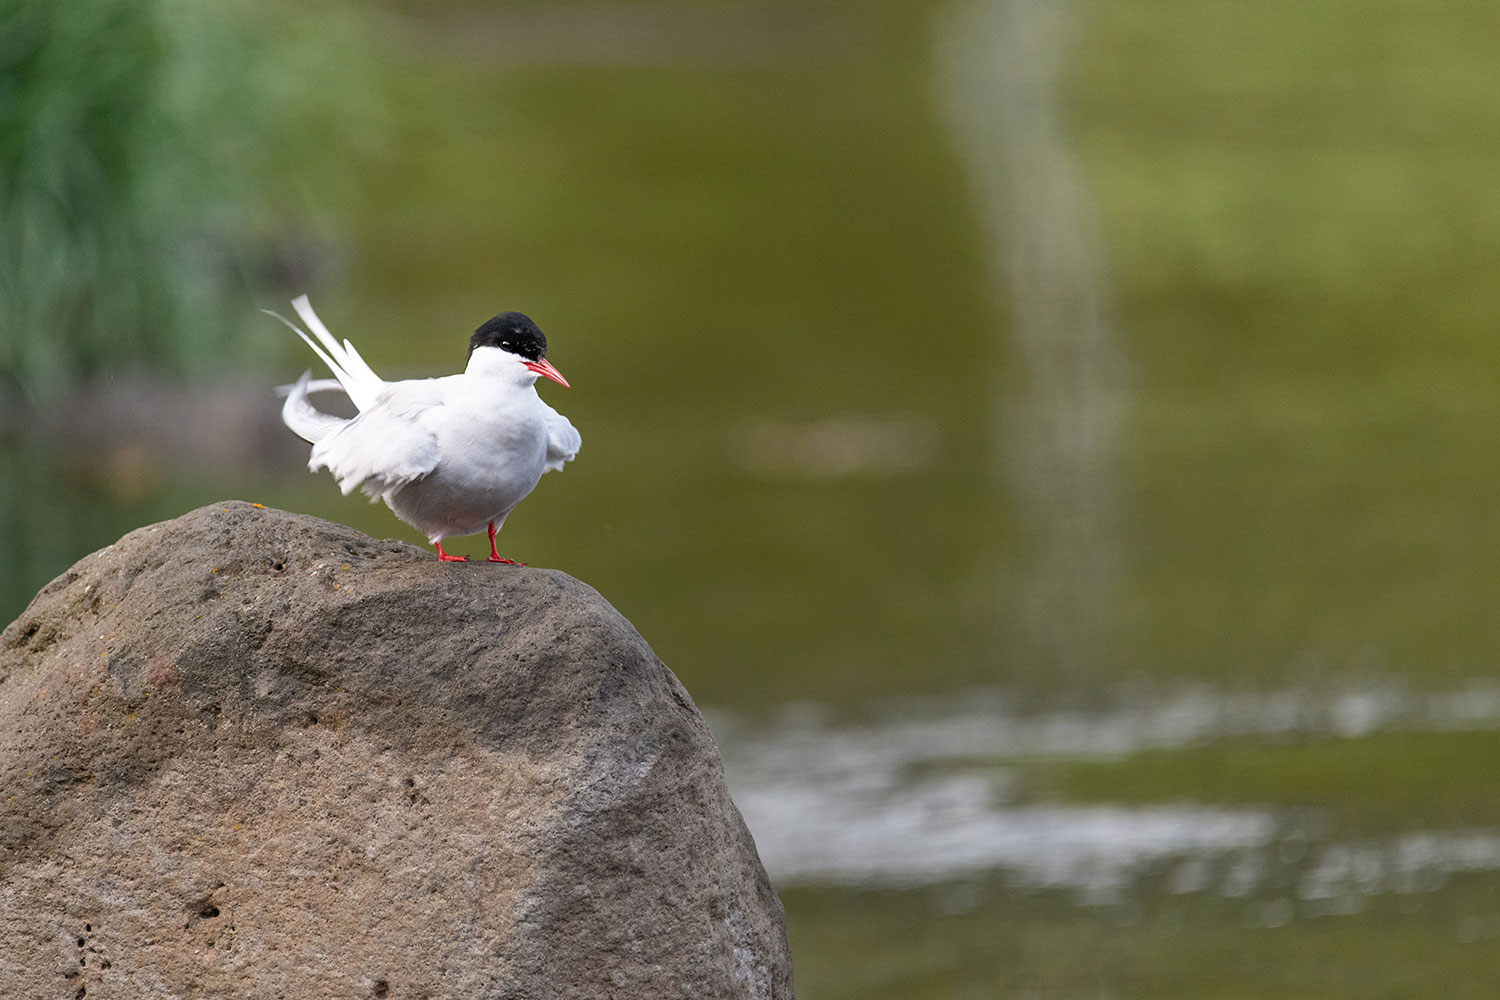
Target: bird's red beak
[[544, 367]]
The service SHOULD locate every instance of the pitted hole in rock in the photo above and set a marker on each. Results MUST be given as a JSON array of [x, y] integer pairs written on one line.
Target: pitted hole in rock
[[209, 912], [381, 988], [36, 637]]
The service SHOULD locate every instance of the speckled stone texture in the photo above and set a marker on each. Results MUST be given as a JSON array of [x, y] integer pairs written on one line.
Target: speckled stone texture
[[247, 753]]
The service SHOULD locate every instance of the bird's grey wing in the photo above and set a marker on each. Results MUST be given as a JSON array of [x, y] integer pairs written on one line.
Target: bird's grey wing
[[563, 439], [388, 445]]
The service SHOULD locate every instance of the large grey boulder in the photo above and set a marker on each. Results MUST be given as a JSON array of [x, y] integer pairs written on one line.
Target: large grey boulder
[[247, 753]]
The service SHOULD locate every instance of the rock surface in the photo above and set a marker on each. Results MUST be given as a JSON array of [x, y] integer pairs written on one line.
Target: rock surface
[[246, 753]]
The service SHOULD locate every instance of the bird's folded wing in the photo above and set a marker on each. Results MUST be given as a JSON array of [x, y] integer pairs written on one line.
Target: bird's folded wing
[[563, 439], [385, 447]]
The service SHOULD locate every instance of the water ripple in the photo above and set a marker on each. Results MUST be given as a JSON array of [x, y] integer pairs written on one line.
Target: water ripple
[[930, 797]]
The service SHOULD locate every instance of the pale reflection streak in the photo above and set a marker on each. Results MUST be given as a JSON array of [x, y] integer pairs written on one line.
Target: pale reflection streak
[[1061, 401]]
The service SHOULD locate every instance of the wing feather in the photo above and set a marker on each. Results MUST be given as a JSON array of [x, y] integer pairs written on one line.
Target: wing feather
[[388, 445], [563, 439]]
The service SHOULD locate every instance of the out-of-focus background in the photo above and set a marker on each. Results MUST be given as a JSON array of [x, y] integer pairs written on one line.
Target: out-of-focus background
[[1055, 442]]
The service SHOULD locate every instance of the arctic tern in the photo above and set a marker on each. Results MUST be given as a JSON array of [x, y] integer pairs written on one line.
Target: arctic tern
[[451, 455]]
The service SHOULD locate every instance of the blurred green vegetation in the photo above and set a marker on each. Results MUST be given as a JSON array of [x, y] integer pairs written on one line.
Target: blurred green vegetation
[[146, 149]]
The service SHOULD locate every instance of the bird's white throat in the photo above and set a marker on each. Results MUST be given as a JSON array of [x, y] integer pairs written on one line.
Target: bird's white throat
[[493, 363]]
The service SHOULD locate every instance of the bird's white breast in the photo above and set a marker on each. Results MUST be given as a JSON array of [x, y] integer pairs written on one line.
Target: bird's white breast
[[492, 439]]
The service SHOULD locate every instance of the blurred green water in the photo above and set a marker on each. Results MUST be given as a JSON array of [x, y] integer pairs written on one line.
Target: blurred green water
[[994, 943], [1299, 236]]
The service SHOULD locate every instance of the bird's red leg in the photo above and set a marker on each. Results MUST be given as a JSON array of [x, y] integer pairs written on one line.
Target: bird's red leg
[[495, 553], [445, 557]]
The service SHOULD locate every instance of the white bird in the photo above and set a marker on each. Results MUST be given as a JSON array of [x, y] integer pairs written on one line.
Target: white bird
[[451, 455]]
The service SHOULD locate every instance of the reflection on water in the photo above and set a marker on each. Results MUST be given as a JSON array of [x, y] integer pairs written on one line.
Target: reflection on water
[[935, 797], [987, 726], [944, 829], [1060, 415]]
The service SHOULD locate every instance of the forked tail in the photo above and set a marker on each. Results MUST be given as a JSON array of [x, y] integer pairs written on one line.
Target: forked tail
[[307, 421], [358, 379]]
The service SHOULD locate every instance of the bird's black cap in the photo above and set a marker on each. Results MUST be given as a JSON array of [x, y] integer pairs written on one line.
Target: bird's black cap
[[513, 332]]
